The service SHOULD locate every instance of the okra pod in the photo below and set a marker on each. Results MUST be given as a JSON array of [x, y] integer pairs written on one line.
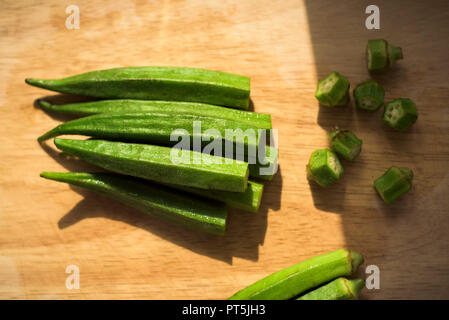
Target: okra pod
[[369, 95], [163, 164], [345, 144], [258, 120], [159, 128], [171, 205], [156, 83], [269, 168], [380, 55], [248, 200], [333, 90], [294, 280], [324, 167], [338, 289], [400, 114], [394, 183]]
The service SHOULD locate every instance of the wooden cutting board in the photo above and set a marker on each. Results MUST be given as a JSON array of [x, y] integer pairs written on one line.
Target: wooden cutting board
[[285, 47]]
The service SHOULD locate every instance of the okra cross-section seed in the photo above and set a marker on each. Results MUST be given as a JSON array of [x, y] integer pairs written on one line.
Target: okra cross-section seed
[[380, 55], [339, 289], [156, 83], [163, 164], [400, 114], [345, 144], [333, 90], [393, 183], [293, 281], [324, 167], [369, 95], [171, 205]]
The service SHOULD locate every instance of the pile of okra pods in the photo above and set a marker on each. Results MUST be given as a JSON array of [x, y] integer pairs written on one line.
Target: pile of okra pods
[[324, 166], [151, 134]]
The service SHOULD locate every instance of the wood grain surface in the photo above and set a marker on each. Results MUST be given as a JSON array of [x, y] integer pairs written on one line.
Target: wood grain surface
[[285, 47]]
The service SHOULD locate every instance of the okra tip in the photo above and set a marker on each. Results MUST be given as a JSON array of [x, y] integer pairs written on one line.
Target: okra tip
[[45, 104], [50, 134], [356, 260]]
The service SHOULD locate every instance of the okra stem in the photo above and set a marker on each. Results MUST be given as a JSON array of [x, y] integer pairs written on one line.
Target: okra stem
[[381, 55]]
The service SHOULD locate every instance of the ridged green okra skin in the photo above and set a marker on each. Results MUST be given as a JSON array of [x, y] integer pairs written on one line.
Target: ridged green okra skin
[[163, 164], [345, 144], [248, 200], [393, 183], [324, 167], [333, 90], [292, 281], [171, 205], [259, 120], [400, 114], [369, 95], [156, 83], [338, 289], [268, 169]]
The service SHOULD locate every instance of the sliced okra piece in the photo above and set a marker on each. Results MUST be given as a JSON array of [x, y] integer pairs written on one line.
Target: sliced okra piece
[[345, 144], [324, 167], [381, 55], [333, 90], [400, 113], [393, 183], [369, 95], [339, 289]]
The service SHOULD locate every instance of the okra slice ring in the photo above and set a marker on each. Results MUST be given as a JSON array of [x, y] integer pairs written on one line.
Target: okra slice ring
[[339, 289], [394, 183], [324, 167], [333, 90], [345, 144], [380, 55], [369, 95], [400, 114], [293, 281]]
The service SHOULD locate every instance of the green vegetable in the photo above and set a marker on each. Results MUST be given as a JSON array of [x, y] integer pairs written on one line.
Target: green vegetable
[[258, 120], [294, 280], [248, 200], [381, 55], [324, 167], [345, 144], [157, 163], [333, 90], [400, 114], [339, 289], [369, 95], [158, 128], [168, 204], [156, 83], [267, 170], [394, 183]]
